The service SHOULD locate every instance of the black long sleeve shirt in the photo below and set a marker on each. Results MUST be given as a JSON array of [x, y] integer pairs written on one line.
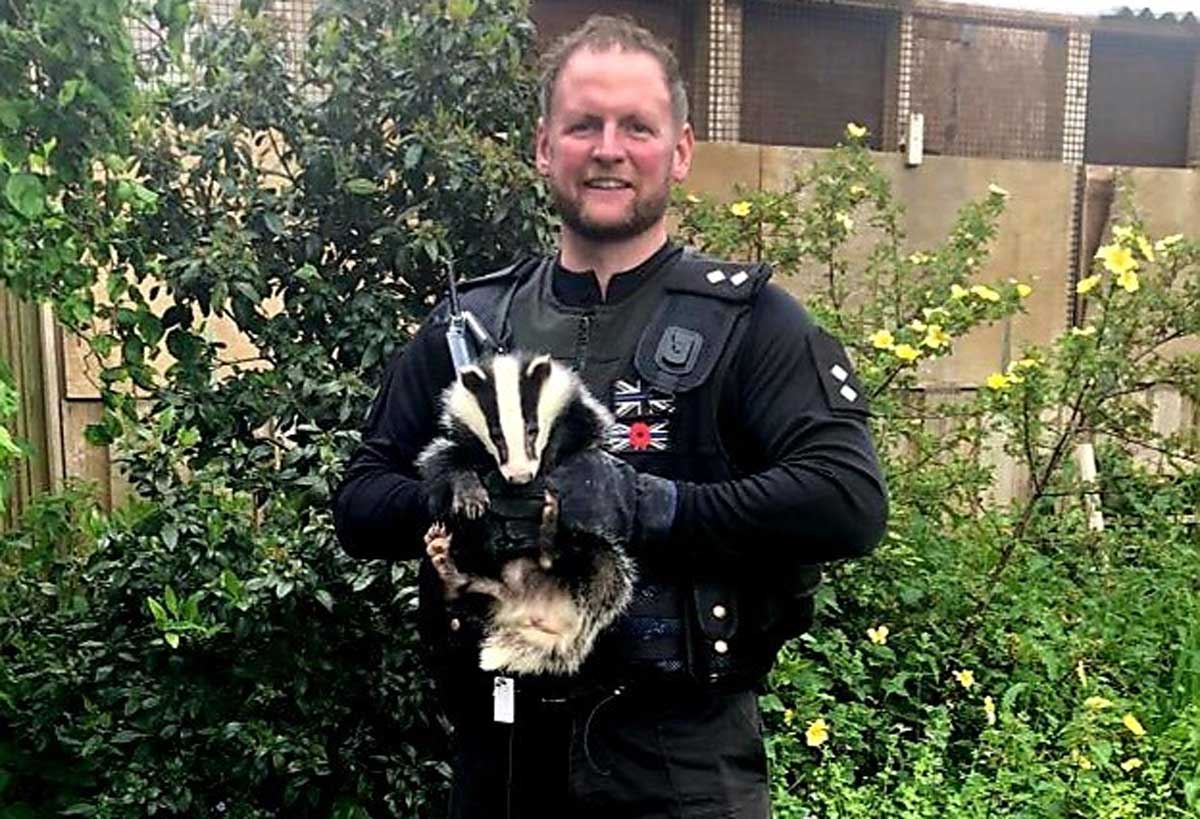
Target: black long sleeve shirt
[[791, 418]]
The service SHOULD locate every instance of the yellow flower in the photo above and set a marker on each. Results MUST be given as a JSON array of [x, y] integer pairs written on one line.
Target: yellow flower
[[882, 340], [845, 221], [917, 325], [996, 190], [858, 190], [930, 312], [965, 677], [1097, 703], [788, 716], [1135, 727], [855, 131], [919, 258], [958, 291], [936, 337], [1117, 259], [1147, 251], [1167, 242], [740, 209], [989, 710], [1081, 673], [1131, 764], [1023, 290], [1129, 280], [985, 293], [1027, 363], [878, 635], [906, 352], [1122, 232], [1081, 760], [1083, 331], [997, 381], [816, 734], [1087, 285], [693, 199]]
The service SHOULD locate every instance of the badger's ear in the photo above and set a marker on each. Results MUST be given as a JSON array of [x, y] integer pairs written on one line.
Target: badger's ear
[[473, 378], [539, 369]]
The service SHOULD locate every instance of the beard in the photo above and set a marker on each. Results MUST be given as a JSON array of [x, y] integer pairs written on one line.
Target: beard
[[643, 214]]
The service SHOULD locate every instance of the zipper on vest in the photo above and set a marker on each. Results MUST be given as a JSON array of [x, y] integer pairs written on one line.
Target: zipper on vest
[[583, 338]]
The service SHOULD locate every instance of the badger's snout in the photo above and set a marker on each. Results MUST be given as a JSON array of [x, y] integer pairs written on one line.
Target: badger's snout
[[519, 474]]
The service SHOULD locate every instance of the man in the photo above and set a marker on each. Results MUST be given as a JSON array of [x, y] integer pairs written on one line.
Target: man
[[751, 463]]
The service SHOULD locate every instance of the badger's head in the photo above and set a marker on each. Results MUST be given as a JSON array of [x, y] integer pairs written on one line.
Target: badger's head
[[516, 405]]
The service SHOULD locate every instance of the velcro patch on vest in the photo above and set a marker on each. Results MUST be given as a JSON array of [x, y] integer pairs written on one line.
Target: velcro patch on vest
[[639, 436], [839, 384]]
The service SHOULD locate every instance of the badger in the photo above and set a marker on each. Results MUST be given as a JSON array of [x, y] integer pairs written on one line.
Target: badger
[[506, 422]]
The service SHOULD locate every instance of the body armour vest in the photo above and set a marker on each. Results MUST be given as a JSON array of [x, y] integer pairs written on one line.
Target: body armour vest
[[657, 359]]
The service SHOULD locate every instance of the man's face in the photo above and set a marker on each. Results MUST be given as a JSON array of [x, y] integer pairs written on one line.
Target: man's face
[[610, 147]]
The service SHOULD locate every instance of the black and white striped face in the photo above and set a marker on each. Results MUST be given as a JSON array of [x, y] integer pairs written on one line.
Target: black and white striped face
[[510, 403]]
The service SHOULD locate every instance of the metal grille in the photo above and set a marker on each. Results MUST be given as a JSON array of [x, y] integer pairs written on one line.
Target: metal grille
[[292, 17], [1079, 46], [808, 70], [989, 89], [904, 79], [1139, 100], [724, 116]]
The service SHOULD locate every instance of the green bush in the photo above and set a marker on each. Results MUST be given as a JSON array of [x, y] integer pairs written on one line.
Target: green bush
[[209, 650]]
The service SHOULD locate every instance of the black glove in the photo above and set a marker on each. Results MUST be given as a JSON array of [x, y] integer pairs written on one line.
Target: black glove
[[603, 496]]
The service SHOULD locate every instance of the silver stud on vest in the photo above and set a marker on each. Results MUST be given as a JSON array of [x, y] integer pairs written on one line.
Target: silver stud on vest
[[838, 372], [739, 278], [849, 393], [715, 276]]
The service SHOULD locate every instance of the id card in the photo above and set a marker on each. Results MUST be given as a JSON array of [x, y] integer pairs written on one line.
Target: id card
[[504, 700]]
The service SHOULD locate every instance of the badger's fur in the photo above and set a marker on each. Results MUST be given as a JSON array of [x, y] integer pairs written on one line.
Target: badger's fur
[[520, 415]]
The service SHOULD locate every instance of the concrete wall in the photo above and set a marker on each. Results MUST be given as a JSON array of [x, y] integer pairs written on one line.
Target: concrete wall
[[1033, 242]]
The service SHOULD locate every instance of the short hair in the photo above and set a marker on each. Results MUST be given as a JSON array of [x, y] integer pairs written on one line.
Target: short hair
[[602, 32]]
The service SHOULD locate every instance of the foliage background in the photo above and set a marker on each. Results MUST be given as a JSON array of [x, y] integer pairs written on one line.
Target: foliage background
[[207, 650]]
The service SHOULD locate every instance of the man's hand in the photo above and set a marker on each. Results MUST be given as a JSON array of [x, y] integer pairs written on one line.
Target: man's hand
[[602, 496]]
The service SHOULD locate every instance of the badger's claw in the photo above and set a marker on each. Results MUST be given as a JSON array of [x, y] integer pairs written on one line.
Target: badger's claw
[[437, 540], [470, 498], [437, 546]]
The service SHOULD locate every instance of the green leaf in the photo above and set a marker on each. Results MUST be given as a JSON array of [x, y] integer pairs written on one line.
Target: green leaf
[[361, 187], [7, 445], [156, 609], [26, 194], [171, 639], [412, 155], [68, 91], [273, 222], [325, 599], [171, 600]]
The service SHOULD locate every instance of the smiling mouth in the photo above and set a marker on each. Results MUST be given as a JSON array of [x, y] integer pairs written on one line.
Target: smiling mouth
[[607, 184]]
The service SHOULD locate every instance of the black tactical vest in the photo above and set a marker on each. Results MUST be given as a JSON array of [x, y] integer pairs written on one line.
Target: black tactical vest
[[657, 359]]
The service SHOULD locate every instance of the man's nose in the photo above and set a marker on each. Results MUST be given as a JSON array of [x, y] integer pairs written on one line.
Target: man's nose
[[609, 148]]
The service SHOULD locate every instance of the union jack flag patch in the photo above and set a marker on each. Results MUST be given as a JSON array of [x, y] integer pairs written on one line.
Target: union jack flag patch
[[631, 400], [640, 436]]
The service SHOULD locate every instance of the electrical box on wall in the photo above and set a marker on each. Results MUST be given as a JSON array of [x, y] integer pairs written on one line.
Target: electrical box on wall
[[916, 139]]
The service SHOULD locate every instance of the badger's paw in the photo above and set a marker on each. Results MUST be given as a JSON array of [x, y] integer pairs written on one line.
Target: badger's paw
[[470, 499]]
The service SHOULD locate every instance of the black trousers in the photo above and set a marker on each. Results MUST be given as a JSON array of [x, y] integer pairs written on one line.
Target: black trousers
[[616, 754]]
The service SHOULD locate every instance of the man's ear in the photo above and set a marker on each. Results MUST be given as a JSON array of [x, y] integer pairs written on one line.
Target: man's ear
[[541, 147], [685, 146]]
